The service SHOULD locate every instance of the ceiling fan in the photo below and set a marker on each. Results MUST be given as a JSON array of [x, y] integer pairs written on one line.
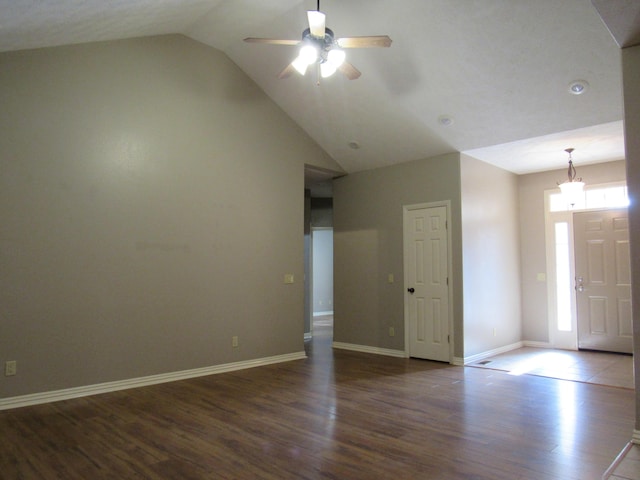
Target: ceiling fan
[[320, 47]]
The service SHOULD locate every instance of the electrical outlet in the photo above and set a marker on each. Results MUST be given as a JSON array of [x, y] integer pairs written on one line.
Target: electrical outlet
[[494, 332], [10, 368], [392, 332], [234, 342]]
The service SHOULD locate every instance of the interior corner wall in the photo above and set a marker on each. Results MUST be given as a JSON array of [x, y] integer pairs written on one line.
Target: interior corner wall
[[490, 257], [535, 317], [368, 246], [631, 90], [151, 198]]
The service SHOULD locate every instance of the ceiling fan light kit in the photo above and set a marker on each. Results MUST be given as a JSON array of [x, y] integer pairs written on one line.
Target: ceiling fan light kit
[[323, 51], [320, 47]]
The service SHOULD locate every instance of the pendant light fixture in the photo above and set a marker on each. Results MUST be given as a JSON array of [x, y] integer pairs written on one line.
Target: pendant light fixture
[[572, 187]]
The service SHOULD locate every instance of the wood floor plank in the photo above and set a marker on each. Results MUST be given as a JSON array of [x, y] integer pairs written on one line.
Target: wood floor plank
[[337, 414]]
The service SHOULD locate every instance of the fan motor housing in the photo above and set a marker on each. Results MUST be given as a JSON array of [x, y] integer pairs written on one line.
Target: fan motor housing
[[323, 45]]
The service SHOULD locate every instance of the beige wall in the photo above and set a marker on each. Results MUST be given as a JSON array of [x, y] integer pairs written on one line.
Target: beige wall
[[631, 81], [151, 199], [490, 257], [368, 246], [535, 323]]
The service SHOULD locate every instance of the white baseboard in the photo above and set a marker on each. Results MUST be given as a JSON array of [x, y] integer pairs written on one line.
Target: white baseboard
[[612, 468], [491, 353], [367, 349], [529, 343], [320, 314], [76, 392], [499, 350]]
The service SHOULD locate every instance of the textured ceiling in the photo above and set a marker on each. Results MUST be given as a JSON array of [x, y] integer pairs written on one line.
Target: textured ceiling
[[499, 68]]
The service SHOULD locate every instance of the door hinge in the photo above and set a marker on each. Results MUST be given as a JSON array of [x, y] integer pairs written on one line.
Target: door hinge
[[447, 281], [448, 338]]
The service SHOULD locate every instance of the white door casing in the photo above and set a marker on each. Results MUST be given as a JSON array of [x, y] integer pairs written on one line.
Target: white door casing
[[560, 256], [427, 294], [603, 280]]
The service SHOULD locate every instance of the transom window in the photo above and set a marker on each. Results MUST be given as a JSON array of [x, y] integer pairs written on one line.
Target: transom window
[[592, 198]]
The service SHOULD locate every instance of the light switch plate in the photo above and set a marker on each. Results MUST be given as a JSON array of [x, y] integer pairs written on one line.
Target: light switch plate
[[10, 368], [288, 278]]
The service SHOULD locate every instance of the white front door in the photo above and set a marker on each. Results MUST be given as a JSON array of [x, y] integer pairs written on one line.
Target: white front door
[[603, 280], [426, 261]]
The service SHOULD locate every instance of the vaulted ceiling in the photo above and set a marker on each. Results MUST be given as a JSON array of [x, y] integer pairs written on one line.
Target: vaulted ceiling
[[498, 70]]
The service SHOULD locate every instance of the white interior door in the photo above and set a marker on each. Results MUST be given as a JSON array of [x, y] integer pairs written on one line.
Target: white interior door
[[426, 260], [603, 280]]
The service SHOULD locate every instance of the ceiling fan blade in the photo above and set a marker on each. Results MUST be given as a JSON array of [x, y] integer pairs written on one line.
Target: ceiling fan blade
[[286, 73], [316, 23], [364, 42], [272, 41], [349, 71]]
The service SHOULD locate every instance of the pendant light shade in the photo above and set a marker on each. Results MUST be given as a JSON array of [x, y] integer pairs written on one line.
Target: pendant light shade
[[573, 187]]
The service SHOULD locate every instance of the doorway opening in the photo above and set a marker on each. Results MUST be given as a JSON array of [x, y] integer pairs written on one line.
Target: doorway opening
[[322, 281], [318, 217]]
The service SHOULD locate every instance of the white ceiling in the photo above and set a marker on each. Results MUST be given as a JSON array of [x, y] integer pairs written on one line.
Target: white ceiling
[[499, 68]]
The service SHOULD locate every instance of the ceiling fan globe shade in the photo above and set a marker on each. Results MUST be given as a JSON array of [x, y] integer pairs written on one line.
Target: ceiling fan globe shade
[[336, 57], [327, 69], [300, 65], [572, 191], [308, 54]]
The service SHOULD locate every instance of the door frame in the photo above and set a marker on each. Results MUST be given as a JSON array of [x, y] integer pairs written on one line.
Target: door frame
[[405, 210], [557, 339]]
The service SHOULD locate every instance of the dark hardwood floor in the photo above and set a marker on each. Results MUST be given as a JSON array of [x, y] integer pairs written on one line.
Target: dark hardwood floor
[[336, 415]]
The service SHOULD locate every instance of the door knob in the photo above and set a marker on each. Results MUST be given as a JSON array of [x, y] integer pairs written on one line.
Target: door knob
[[411, 290]]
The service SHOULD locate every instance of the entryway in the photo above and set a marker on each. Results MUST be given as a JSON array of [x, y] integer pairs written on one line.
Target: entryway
[[588, 271], [612, 369]]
